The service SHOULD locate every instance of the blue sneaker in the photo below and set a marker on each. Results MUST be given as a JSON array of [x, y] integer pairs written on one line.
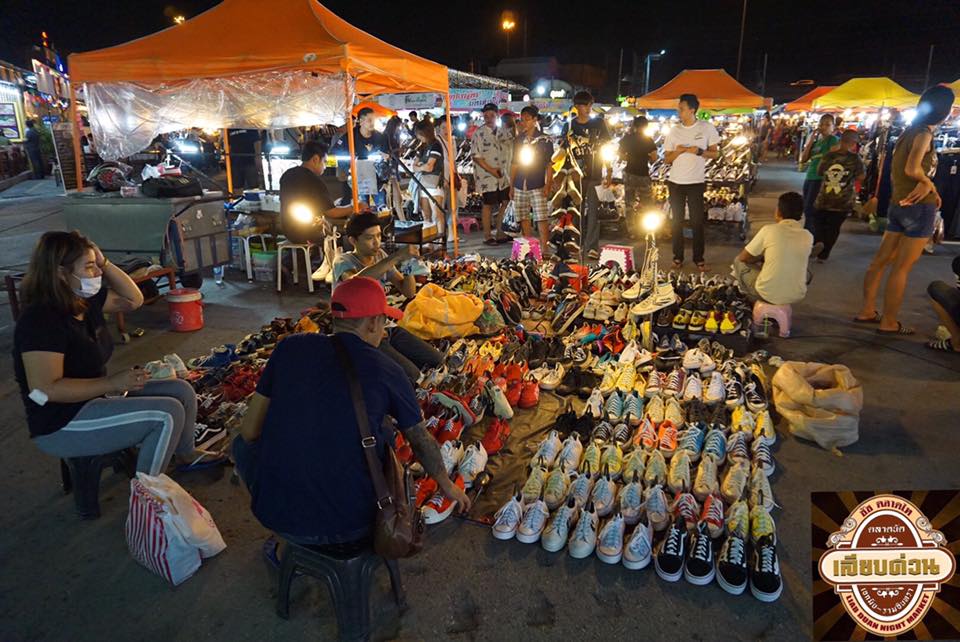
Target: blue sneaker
[[633, 406], [614, 406], [715, 444], [691, 440]]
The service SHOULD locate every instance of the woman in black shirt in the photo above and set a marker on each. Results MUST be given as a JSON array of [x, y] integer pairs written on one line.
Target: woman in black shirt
[[60, 349], [429, 171]]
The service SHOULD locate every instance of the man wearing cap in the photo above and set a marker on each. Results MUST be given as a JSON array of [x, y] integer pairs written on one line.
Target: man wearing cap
[[490, 149], [369, 260], [300, 453]]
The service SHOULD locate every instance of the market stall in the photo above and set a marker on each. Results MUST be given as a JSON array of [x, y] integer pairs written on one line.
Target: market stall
[[805, 102], [861, 94]]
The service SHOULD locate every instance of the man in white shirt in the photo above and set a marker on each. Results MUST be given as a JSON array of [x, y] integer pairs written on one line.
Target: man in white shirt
[[490, 147], [686, 148], [773, 265]]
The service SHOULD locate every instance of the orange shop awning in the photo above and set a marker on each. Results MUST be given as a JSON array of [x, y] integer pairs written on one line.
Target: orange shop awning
[[805, 102], [715, 88], [239, 37]]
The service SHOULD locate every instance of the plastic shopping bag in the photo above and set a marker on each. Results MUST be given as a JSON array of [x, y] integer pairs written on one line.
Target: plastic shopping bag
[[821, 402], [167, 530]]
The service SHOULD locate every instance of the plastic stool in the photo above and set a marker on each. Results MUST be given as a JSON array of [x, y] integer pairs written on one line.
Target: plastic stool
[[347, 577], [782, 314], [467, 223], [245, 248], [81, 475], [307, 249], [524, 247]]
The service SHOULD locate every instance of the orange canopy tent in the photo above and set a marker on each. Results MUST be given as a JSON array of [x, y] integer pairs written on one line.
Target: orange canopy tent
[[805, 102], [715, 88], [264, 45]]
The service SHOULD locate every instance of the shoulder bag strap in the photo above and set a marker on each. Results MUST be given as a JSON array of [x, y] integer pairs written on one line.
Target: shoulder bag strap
[[367, 441]]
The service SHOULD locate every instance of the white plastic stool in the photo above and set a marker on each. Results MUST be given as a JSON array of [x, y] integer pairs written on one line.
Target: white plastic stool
[[307, 249], [245, 245]]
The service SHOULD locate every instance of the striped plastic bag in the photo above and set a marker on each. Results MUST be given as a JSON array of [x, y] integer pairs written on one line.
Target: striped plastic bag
[[167, 530]]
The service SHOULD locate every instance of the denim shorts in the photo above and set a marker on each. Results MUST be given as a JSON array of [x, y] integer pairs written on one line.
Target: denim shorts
[[913, 221]]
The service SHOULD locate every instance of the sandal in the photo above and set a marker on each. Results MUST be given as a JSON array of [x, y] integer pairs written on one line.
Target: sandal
[[901, 330], [702, 266], [874, 319], [944, 345]]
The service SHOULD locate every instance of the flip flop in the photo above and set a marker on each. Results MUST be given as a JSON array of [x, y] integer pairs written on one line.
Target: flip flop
[[901, 330], [874, 319]]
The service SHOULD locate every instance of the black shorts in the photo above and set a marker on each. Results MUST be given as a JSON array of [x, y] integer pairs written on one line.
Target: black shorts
[[948, 296], [496, 197]]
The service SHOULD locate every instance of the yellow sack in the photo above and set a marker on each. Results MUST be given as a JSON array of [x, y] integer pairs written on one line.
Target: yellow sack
[[436, 313]]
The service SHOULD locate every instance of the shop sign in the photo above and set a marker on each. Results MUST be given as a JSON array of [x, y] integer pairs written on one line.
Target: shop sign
[[475, 99], [545, 105], [411, 101], [887, 565]]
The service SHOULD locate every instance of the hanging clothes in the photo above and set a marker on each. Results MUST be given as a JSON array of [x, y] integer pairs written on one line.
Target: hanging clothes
[[947, 181]]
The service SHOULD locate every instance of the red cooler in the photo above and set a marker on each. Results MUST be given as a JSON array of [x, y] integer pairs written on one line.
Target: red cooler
[[186, 309]]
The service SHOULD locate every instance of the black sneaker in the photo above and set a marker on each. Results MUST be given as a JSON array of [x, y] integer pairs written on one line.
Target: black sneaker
[[671, 551], [603, 431], [732, 565], [570, 383], [555, 349], [206, 436], [588, 381], [532, 277], [765, 581], [699, 567], [621, 432], [585, 425], [734, 386], [538, 354], [566, 421], [696, 412], [718, 419]]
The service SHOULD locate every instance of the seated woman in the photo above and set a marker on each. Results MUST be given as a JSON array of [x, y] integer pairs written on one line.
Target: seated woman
[[945, 299], [60, 349]]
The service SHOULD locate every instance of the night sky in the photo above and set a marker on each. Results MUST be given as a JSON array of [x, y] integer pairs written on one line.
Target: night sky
[[827, 42]]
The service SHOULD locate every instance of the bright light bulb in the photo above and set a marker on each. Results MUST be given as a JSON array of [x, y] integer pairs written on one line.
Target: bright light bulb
[[739, 141], [461, 127], [301, 213], [651, 129], [665, 129], [909, 115], [652, 221], [526, 155], [279, 149], [609, 152]]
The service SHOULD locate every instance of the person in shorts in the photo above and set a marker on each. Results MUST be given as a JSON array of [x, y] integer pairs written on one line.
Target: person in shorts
[[532, 176], [911, 215], [490, 148], [945, 300]]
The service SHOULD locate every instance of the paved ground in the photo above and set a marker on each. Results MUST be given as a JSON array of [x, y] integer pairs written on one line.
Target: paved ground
[[65, 579]]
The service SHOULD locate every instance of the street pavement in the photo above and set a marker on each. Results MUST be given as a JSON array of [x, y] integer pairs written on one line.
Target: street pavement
[[66, 579]]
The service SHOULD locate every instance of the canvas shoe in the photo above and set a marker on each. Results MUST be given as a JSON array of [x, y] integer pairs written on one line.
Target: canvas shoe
[[440, 506], [673, 412], [620, 313], [662, 296], [633, 292], [570, 454], [699, 565], [633, 462], [556, 487], [734, 388], [612, 460], [715, 445], [584, 539], [627, 377], [629, 353], [451, 452], [712, 514], [671, 552], [678, 477], [534, 484], [604, 494], [681, 319], [693, 359], [760, 492], [547, 450], [732, 564], [472, 464], [738, 519], [692, 388], [712, 323], [646, 435], [656, 507], [206, 436], [667, 439], [591, 457], [552, 379], [609, 381], [501, 407], [534, 520], [654, 385], [674, 383], [425, 488], [629, 331], [715, 392], [764, 430], [614, 406], [656, 468], [737, 449], [638, 550], [595, 402], [706, 482], [741, 420], [762, 458], [555, 535], [507, 519], [766, 584], [755, 400], [691, 441], [655, 410], [580, 488], [496, 436], [685, 505], [610, 540], [735, 480], [630, 499], [633, 406], [175, 362]]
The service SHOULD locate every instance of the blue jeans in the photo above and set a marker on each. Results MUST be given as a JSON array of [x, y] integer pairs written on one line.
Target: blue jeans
[[410, 351], [811, 188], [914, 221]]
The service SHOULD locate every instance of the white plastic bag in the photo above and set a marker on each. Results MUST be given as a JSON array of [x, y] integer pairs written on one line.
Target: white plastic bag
[[821, 402], [167, 530], [150, 171]]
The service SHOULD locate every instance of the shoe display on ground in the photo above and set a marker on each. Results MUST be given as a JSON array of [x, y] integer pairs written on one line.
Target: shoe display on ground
[[440, 506], [604, 494], [595, 402], [633, 462], [735, 480], [472, 464], [671, 552], [610, 540], [451, 452], [715, 391], [705, 484], [766, 584], [496, 436], [699, 565], [553, 377], [555, 535], [638, 550], [656, 471], [507, 518], [611, 460], [656, 507], [732, 564], [630, 499], [569, 458], [591, 457], [646, 435], [556, 487], [673, 412], [547, 450], [583, 541], [712, 514], [534, 483], [668, 439], [501, 407], [581, 488], [535, 516], [655, 410], [678, 477]]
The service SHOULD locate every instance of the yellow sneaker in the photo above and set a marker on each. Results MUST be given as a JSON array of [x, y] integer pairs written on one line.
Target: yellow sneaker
[[729, 325], [640, 386], [761, 523], [712, 325], [738, 519], [629, 332]]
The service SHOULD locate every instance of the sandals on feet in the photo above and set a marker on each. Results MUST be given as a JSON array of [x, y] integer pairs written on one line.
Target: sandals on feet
[[944, 345], [901, 330], [874, 319]]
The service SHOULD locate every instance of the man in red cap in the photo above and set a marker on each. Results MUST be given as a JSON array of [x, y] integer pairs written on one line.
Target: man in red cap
[[301, 454]]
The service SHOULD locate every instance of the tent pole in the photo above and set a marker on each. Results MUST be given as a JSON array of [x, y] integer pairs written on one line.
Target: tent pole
[[226, 151], [351, 143], [77, 153], [453, 172]]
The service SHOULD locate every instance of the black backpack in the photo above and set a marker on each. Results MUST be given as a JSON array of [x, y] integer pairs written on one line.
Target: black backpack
[[171, 187]]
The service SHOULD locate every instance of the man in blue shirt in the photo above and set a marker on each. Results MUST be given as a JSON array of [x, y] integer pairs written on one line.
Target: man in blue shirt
[[532, 176], [301, 454]]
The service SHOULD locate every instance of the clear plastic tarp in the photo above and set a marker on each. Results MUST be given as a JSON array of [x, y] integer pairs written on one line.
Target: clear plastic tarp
[[125, 116]]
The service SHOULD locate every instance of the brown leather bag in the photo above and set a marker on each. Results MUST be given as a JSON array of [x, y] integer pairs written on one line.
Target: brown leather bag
[[398, 530]]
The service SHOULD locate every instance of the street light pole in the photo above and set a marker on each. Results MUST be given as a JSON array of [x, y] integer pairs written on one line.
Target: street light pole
[[743, 24], [619, 73], [646, 73], [926, 78]]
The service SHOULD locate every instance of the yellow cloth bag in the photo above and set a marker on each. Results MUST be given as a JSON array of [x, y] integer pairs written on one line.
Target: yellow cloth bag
[[436, 313]]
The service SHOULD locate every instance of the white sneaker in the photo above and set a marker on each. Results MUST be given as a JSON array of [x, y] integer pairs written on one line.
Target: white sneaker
[[507, 519], [644, 357], [629, 353], [654, 410], [534, 521], [556, 487], [175, 362], [610, 540], [595, 403], [548, 450], [693, 359], [603, 496], [584, 538], [620, 314], [553, 378], [658, 511], [451, 452], [639, 548], [472, 464], [715, 392], [673, 412], [630, 499], [662, 297], [501, 407], [692, 388], [555, 535], [570, 454]]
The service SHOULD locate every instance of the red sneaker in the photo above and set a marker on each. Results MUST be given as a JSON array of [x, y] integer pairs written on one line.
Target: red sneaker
[[426, 487], [404, 451], [513, 393], [496, 436], [440, 506], [529, 394], [451, 431]]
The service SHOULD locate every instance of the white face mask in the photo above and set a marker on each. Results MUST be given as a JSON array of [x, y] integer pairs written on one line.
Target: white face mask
[[89, 286]]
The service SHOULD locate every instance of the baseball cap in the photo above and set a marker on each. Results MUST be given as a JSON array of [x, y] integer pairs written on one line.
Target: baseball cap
[[490, 107], [361, 297]]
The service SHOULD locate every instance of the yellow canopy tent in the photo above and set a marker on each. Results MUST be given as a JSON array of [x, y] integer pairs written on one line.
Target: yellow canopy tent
[[715, 88], [866, 93], [247, 50]]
